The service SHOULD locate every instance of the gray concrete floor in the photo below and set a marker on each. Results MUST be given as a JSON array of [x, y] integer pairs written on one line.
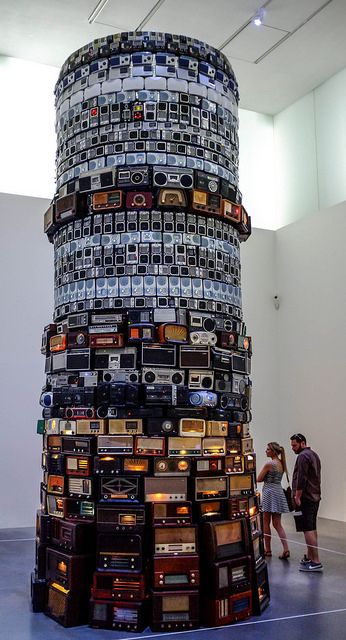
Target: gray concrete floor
[[302, 605]]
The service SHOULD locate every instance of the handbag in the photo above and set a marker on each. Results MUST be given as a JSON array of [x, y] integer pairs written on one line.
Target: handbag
[[289, 498]]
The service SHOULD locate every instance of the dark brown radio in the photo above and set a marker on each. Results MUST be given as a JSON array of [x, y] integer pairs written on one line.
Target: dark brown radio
[[53, 443], [176, 572], [227, 577], [124, 616], [175, 610], [225, 539], [260, 589], [122, 519], [69, 570], [78, 537], [171, 514], [118, 586], [107, 465], [66, 606], [222, 611], [122, 553], [43, 521], [210, 510], [240, 506]]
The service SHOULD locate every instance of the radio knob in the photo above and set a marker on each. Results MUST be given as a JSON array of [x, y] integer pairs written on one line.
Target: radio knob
[[160, 581], [193, 581], [161, 576], [193, 575]]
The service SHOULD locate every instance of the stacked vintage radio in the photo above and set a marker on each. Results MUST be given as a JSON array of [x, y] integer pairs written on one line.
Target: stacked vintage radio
[[148, 485]]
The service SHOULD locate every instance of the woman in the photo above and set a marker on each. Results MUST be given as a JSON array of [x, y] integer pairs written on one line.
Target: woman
[[273, 498]]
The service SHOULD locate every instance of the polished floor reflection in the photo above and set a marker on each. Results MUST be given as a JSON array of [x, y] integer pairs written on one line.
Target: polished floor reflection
[[309, 606]]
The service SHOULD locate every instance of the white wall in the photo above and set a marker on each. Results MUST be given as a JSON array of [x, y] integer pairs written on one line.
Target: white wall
[[310, 152], [311, 271], [26, 295]]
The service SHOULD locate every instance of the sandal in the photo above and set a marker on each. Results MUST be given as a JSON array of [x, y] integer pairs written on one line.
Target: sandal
[[285, 555], [268, 554]]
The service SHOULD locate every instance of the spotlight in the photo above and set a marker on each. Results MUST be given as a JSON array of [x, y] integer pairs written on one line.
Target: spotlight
[[258, 19]]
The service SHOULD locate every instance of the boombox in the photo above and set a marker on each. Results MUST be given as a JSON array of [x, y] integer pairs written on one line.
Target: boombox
[[146, 446], [167, 514], [120, 519], [68, 607], [122, 553], [241, 485], [176, 572], [115, 359], [80, 487], [175, 610], [165, 394], [119, 445], [85, 445], [224, 539], [124, 616], [210, 488], [79, 465], [69, 570], [228, 577], [165, 489], [117, 394], [200, 379], [107, 465], [133, 176], [76, 537], [125, 426], [224, 611], [233, 401], [161, 426], [184, 447], [191, 427], [175, 540], [120, 489], [172, 467], [201, 321], [118, 586], [173, 177], [73, 413], [121, 375], [162, 376]]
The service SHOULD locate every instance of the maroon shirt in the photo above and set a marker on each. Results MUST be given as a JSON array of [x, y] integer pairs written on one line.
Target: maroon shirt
[[307, 475]]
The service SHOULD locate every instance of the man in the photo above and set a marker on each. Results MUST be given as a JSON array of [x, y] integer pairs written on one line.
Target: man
[[306, 487]]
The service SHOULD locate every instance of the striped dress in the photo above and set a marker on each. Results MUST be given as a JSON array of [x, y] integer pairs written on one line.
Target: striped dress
[[273, 497]]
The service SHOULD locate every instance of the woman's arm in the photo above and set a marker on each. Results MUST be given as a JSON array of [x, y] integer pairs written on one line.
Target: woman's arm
[[262, 474]]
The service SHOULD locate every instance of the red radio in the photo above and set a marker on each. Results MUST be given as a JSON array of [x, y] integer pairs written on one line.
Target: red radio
[[125, 616], [119, 586], [226, 610]]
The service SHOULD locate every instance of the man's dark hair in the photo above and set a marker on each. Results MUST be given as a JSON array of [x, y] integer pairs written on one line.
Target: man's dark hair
[[299, 437]]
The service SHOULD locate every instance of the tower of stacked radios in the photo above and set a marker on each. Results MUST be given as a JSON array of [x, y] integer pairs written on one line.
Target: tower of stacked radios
[[149, 513]]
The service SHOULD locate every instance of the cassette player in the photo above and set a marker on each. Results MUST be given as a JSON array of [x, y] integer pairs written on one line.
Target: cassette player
[[210, 488], [120, 519], [169, 514], [175, 540], [176, 572], [165, 489]]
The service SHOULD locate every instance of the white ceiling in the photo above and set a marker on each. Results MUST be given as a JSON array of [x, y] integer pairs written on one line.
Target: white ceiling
[[300, 44]]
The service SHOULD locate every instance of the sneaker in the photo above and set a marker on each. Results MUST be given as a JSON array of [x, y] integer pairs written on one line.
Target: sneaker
[[311, 567], [304, 560]]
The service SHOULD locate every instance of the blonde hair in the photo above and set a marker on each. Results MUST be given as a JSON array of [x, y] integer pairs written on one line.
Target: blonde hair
[[280, 452]]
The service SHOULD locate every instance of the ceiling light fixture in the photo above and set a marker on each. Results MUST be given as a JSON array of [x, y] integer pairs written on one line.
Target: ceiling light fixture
[[258, 19], [100, 5]]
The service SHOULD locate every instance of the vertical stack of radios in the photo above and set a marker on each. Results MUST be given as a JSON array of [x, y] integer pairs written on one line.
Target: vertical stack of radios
[[149, 512]]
